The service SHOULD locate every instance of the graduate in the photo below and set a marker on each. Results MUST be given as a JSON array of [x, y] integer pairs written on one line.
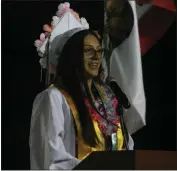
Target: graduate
[[79, 112]]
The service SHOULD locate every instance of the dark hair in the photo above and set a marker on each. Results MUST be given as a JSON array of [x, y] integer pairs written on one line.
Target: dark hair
[[71, 70]]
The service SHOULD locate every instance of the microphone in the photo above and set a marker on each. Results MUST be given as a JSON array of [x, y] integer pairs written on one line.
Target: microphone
[[123, 100]]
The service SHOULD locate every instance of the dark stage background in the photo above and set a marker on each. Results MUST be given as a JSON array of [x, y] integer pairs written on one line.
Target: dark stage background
[[21, 25]]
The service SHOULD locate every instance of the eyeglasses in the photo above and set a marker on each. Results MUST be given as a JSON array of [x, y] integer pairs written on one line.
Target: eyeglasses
[[91, 52]]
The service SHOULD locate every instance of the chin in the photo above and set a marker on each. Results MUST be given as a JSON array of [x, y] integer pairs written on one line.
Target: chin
[[94, 74]]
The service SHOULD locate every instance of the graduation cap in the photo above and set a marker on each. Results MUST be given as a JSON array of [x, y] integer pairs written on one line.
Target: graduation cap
[[64, 25]]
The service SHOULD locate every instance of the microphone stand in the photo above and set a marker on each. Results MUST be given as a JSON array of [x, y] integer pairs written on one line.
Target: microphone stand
[[123, 103], [123, 129]]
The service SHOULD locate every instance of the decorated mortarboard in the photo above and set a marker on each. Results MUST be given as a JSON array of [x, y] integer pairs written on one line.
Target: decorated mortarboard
[[66, 23]]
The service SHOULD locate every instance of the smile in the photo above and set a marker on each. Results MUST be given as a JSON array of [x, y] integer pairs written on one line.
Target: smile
[[95, 65]]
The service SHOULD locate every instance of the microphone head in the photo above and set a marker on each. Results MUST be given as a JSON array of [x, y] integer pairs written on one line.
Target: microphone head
[[123, 100]]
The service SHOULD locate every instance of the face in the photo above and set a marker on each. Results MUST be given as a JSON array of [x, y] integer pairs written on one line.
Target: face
[[92, 56]]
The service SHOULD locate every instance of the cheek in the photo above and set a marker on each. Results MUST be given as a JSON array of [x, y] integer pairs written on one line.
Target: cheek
[[86, 65], [100, 62], [88, 69]]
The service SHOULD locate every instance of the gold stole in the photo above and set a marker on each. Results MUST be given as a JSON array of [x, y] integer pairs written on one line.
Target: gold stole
[[83, 149]]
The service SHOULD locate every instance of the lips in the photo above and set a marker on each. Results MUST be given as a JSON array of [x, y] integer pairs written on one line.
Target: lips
[[94, 65]]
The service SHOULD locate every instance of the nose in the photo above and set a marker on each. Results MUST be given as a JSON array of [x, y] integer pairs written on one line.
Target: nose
[[97, 55]]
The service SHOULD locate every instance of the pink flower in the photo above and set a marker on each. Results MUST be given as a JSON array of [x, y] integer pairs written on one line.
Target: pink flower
[[115, 122], [86, 102], [102, 127], [38, 43], [63, 8], [46, 34], [115, 102]]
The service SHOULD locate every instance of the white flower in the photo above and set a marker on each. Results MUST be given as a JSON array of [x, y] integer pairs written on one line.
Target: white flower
[[43, 62], [84, 23], [63, 8], [67, 4], [55, 21], [39, 43], [64, 5], [40, 54]]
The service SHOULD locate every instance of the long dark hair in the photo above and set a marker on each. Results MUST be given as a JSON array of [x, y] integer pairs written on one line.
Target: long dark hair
[[71, 70]]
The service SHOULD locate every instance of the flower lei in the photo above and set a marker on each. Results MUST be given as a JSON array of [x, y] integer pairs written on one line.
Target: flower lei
[[95, 116]]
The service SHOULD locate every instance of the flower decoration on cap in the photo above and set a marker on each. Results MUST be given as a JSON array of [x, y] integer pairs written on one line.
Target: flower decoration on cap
[[55, 21], [38, 43], [47, 28], [67, 16], [84, 23], [62, 9]]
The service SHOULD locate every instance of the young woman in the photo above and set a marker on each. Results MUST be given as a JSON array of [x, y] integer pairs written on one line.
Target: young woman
[[78, 114]]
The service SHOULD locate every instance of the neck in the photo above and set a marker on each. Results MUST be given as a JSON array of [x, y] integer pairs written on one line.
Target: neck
[[89, 82]]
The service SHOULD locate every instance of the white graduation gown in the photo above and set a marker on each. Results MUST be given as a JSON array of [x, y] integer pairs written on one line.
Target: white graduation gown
[[52, 134]]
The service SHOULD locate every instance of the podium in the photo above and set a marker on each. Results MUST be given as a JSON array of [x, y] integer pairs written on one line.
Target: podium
[[130, 160]]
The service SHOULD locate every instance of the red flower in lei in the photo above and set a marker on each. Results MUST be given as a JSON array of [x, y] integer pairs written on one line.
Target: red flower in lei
[[92, 112], [95, 116]]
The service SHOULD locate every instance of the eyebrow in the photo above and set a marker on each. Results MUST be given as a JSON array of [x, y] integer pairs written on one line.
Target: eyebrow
[[92, 46]]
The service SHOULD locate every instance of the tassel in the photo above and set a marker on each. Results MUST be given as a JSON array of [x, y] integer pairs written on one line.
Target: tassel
[[48, 62]]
